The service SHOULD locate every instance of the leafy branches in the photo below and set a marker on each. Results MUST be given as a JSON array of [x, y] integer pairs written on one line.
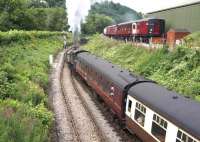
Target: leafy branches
[[32, 15], [23, 82]]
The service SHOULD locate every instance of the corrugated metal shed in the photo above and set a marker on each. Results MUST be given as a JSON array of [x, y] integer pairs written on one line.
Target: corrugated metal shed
[[184, 17]]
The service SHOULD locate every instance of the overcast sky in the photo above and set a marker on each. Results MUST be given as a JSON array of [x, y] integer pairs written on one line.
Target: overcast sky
[[146, 6]]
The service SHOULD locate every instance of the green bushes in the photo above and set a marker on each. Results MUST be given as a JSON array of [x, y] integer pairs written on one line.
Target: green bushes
[[193, 40], [31, 15], [49, 19], [21, 123], [21, 36], [24, 80], [178, 70]]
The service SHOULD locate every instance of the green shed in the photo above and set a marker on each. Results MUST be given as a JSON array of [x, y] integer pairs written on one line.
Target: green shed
[[180, 17]]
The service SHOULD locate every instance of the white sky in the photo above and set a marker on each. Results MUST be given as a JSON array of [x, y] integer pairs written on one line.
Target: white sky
[[146, 6]]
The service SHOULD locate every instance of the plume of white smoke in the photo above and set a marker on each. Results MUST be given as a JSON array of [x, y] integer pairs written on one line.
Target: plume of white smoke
[[77, 10]]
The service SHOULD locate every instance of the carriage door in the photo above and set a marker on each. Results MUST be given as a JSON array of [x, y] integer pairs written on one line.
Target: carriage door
[[134, 29], [130, 107], [154, 27]]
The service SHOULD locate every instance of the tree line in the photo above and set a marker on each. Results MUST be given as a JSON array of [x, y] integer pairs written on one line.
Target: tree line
[[107, 13], [33, 15], [50, 15]]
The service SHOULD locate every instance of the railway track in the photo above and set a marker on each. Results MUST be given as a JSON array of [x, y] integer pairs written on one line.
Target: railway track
[[100, 134], [76, 136], [83, 125]]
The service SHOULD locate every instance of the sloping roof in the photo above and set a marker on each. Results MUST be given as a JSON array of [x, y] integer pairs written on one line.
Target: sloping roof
[[119, 76], [183, 112], [180, 6], [135, 21]]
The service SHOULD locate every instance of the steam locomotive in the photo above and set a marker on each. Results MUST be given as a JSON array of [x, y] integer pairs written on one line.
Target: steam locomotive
[[138, 30], [147, 109]]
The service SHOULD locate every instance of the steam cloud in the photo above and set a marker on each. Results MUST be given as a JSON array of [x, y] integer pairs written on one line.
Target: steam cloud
[[77, 10]]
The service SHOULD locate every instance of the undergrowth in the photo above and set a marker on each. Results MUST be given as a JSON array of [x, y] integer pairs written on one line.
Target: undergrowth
[[24, 68]]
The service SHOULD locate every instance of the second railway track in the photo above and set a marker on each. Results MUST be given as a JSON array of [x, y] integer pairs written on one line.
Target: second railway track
[[83, 125]]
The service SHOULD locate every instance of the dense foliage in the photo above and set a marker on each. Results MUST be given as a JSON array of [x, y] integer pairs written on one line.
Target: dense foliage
[[47, 3], [32, 15], [178, 70], [24, 116], [107, 13], [96, 23], [193, 40], [117, 12]]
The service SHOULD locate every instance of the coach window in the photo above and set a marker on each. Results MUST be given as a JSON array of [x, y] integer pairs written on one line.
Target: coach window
[[183, 137], [104, 84], [159, 127], [140, 112], [129, 105], [108, 85]]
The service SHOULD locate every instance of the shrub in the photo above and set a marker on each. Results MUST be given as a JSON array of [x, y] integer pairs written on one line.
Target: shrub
[[21, 123], [24, 69]]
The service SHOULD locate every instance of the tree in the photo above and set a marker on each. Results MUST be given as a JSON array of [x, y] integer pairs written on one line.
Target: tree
[[56, 3], [9, 13], [95, 23], [117, 12], [57, 19], [23, 15], [47, 3], [38, 4]]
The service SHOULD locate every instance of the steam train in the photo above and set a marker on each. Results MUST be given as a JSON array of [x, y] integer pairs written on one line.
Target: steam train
[[147, 109], [138, 30]]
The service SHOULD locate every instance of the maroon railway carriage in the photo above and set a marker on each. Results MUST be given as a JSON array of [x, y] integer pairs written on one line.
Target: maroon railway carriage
[[109, 81], [150, 111], [144, 28], [110, 31]]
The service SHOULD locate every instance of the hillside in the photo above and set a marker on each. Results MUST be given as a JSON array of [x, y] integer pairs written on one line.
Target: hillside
[[178, 70], [24, 115], [117, 12], [107, 13]]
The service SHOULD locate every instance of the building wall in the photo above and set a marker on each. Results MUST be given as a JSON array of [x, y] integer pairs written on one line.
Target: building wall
[[185, 17]]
